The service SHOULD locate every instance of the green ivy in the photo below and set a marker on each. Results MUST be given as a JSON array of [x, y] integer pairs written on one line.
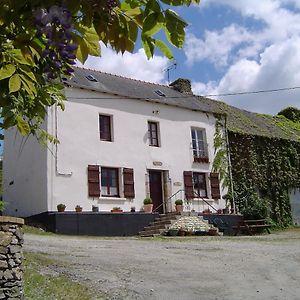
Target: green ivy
[[265, 167]]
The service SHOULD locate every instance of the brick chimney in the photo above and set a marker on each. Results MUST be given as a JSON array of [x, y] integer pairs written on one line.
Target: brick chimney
[[182, 85]]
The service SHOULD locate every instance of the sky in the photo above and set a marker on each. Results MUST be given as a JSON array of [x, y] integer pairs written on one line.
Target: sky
[[231, 46]]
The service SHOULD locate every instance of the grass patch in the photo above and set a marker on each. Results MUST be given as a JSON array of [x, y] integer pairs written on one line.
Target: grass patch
[[35, 230], [39, 285]]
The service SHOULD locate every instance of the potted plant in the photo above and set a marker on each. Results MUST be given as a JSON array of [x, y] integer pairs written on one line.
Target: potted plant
[[78, 208], [148, 206], [61, 207], [95, 208], [116, 209], [179, 205], [206, 211], [132, 209]]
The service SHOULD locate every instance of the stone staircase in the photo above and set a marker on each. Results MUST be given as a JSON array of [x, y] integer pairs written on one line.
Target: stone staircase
[[159, 225]]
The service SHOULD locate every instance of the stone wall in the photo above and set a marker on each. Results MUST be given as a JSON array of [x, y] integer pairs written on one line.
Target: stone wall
[[11, 258]]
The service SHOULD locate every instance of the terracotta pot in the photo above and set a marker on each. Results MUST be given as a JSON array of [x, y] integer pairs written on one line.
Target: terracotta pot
[[61, 209], [148, 208], [213, 231], [181, 232], [179, 208], [116, 210], [78, 209]]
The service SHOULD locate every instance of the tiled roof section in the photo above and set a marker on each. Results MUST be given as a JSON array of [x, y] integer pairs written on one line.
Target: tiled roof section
[[237, 120], [122, 86]]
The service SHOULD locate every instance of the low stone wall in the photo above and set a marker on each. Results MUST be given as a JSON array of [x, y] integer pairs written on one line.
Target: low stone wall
[[11, 258]]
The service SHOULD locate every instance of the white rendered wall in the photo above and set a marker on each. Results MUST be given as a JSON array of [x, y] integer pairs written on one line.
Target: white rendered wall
[[80, 145], [24, 175]]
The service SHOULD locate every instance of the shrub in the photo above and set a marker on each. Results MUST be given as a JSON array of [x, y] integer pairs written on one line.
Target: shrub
[[2, 205], [147, 200], [256, 208], [178, 202]]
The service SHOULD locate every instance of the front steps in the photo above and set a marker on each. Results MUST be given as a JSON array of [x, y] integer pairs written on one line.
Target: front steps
[[159, 225]]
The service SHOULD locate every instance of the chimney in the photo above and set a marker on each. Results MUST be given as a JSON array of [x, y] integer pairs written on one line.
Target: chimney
[[182, 85]]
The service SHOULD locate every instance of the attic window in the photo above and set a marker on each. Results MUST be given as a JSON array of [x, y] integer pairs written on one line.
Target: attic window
[[91, 78], [160, 93]]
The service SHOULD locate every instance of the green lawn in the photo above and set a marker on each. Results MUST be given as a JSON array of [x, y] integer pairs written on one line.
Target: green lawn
[[41, 282]]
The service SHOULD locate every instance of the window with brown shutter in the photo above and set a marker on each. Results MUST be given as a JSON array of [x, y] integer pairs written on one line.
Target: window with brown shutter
[[105, 128], [199, 182], [93, 181], [215, 185], [188, 184], [128, 180], [153, 134], [110, 182]]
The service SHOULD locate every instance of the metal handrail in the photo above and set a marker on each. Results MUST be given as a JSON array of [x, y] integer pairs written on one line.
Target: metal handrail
[[185, 199], [166, 202], [198, 196]]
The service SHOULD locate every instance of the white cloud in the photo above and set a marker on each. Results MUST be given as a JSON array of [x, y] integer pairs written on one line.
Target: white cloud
[[267, 56], [278, 67], [216, 46], [135, 65]]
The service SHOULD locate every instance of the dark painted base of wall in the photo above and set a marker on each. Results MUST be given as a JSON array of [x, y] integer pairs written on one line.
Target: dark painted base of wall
[[223, 222], [94, 223]]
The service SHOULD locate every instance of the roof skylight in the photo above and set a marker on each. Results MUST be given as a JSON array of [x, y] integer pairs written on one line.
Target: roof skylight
[[160, 93], [91, 78]]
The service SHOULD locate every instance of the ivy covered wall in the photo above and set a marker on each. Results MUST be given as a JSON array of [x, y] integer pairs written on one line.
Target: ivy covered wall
[[266, 167]]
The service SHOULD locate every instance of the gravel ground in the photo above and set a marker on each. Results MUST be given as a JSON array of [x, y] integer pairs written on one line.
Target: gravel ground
[[259, 267]]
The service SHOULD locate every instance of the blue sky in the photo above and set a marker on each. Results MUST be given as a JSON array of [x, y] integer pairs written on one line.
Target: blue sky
[[231, 46]]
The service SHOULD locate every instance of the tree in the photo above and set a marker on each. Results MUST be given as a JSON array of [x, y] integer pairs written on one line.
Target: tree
[[40, 40], [291, 113]]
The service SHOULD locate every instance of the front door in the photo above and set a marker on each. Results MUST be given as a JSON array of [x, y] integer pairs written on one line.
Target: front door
[[156, 193]]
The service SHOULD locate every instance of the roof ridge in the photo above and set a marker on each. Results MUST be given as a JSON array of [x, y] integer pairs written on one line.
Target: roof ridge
[[123, 77]]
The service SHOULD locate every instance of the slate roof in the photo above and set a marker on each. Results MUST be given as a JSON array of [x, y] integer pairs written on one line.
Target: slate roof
[[238, 120]]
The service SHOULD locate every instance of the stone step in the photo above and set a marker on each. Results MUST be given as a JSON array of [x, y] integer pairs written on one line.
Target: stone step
[[155, 227], [149, 232], [167, 222], [167, 218]]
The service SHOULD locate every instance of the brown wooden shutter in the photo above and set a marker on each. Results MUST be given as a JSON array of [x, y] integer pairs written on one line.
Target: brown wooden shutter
[[215, 185], [188, 184], [128, 180], [93, 181]]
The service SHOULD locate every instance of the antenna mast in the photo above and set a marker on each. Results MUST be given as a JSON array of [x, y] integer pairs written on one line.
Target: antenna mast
[[169, 68]]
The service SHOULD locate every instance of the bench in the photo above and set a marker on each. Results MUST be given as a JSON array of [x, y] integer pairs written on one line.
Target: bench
[[252, 226]]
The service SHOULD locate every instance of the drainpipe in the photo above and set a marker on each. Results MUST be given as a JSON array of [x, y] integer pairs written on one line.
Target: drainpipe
[[56, 150], [229, 166]]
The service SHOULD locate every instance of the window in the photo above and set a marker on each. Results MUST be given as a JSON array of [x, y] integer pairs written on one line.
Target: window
[[153, 134], [199, 183], [110, 182], [199, 144], [105, 128]]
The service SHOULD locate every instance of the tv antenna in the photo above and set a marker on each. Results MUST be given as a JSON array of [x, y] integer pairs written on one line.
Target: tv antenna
[[169, 68]]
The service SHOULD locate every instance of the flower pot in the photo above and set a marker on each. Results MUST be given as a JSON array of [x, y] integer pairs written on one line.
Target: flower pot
[[173, 232], [78, 209], [95, 209], [181, 232], [60, 209], [213, 231], [179, 208], [116, 211], [148, 208]]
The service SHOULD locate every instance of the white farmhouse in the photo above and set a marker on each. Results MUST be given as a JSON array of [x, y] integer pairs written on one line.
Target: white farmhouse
[[121, 140]]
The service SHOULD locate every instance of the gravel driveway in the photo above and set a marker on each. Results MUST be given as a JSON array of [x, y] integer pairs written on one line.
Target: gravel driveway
[[260, 267]]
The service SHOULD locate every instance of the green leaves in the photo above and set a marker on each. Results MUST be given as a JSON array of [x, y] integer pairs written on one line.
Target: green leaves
[[22, 126], [7, 71], [14, 83], [88, 43]]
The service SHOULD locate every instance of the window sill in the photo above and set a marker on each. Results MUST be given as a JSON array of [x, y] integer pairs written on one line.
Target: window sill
[[112, 198], [205, 199], [203, 159]]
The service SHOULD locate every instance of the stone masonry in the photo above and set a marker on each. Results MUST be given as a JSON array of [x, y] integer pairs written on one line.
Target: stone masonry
[[11, 258]]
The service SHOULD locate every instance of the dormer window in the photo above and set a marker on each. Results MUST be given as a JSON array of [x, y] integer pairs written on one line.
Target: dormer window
[[160, 93], [91, 78]]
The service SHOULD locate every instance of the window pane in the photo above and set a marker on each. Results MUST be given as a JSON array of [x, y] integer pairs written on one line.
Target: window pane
[[193, 134], [105, 127]]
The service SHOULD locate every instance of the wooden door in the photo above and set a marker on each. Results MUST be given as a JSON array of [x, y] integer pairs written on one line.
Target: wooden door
[[156, 192]]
